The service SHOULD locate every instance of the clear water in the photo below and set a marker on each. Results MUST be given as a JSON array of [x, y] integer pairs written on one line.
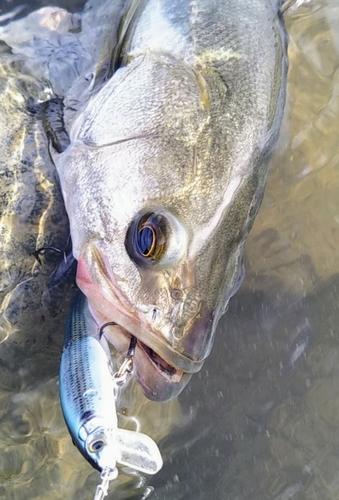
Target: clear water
[[260, 422]]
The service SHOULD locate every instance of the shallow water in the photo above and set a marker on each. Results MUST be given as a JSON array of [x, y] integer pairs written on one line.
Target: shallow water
[[260, 420]]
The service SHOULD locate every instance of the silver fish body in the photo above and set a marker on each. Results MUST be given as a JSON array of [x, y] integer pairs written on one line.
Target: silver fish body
[[88, 399], [165, 173]]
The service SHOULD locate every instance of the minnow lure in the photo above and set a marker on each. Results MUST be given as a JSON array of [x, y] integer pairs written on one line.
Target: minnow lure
[[88, 392]]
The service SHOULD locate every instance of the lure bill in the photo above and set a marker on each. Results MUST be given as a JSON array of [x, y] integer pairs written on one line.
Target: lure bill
[[88, 391]]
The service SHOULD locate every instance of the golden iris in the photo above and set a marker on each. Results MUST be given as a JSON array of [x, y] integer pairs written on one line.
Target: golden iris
[[150, 236]]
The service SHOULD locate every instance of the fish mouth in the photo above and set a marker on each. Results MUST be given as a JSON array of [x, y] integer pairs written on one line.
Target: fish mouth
[[159, 380], [158, 361]]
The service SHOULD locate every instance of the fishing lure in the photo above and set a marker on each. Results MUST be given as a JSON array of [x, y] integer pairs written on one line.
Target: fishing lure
[[88, 393]]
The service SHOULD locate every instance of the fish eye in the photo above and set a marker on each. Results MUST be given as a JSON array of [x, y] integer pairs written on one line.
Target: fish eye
[[96, 445], [147, 237]]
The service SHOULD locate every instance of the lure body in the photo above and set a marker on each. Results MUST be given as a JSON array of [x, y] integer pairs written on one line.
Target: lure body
[[88, 399]]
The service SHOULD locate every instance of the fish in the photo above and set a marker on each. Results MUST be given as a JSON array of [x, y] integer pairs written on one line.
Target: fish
[[165, 171], [88, 395]]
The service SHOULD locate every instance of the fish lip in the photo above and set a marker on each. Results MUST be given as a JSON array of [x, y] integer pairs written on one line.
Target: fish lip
[[161, 378]]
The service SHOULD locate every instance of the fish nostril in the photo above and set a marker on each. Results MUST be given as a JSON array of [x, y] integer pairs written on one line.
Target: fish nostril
[[176, 294]]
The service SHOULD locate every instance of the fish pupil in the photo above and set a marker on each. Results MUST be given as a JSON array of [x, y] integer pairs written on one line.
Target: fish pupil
[[146, 241]]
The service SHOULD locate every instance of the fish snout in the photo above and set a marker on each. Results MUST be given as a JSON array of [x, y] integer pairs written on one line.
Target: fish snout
[[197, 335]]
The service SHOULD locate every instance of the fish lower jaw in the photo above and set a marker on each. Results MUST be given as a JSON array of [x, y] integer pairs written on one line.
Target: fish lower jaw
[[159, 380], [165, 368]]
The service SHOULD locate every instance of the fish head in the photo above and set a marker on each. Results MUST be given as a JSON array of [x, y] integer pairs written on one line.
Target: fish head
[[163, 272], [161, 182]]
